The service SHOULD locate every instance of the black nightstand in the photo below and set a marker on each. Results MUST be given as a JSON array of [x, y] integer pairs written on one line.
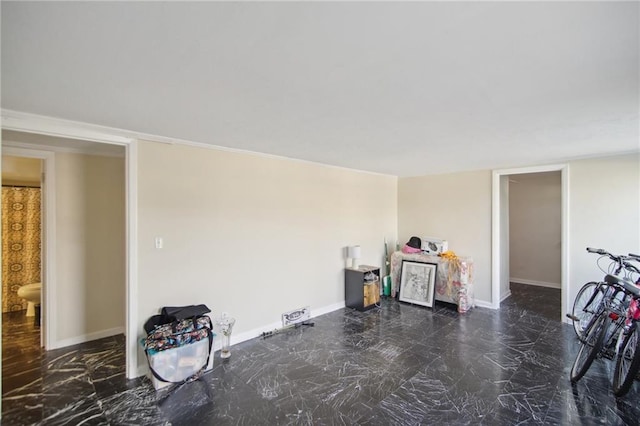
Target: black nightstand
[[362, 287]]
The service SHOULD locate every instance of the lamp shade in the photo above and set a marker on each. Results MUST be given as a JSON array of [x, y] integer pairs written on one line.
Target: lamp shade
[[353, 252]]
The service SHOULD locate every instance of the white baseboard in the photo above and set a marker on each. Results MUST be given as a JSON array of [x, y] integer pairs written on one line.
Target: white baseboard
[[505, 295], [483, 304], [248, 335], [256, 332], [327, 309], [532, 282], [86, 338]]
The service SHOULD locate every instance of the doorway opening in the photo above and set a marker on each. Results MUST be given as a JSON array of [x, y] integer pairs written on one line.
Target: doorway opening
[[32, 128], [22, 275], [89, 274], [530, 238], [535, 242]]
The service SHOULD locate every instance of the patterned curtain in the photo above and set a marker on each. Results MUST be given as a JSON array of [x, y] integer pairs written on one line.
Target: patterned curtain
[[20, 243]]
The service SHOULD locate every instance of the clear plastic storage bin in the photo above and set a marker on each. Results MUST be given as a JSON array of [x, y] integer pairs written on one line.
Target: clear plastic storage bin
[[178, 364]]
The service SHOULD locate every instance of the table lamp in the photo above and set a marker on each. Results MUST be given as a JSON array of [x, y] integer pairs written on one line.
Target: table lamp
[[353, 253]]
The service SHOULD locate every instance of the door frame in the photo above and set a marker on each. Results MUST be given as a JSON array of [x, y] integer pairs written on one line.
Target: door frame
[[499, 225], [48, 235], [42, 125]]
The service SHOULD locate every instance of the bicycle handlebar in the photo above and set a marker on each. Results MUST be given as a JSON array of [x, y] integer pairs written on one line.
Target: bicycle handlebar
[[631, 267], [611, 256], [598, 251], [620, 260]]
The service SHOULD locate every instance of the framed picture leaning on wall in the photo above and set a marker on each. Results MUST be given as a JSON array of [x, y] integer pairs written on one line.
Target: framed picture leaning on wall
[[418, 282]]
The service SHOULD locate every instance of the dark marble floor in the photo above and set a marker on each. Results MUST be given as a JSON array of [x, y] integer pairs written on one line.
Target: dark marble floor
[[400, 364], [543, 301]]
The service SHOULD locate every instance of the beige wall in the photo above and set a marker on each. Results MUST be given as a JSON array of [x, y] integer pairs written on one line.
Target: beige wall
[[535, 229], [21, 171], [604, 201], [251, 235], [455, 207], [90, 236], [604, 208]]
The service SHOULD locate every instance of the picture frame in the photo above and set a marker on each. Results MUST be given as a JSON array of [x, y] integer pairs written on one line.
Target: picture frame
[[418, 282]]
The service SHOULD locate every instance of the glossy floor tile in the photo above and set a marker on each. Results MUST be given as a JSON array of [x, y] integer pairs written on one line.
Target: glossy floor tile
[[396, 365]]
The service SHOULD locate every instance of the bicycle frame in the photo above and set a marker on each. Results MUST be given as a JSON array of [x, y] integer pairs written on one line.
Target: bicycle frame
[[589, 310], [631, 319], [612, 330]]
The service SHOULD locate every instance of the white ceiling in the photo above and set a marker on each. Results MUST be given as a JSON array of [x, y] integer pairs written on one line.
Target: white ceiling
[[399, 88]]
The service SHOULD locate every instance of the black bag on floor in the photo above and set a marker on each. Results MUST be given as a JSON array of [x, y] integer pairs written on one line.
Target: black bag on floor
[[183, 312], [178, 344], [173, 313]]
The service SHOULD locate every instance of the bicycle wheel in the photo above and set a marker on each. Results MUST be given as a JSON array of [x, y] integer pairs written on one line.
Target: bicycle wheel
[[627, 363], [584, 306], [589, 349]]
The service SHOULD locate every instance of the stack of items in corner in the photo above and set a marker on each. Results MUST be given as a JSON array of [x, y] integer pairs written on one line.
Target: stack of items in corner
[[178, 344]]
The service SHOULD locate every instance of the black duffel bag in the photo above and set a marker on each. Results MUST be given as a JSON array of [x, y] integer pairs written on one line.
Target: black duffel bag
[[170, 314]]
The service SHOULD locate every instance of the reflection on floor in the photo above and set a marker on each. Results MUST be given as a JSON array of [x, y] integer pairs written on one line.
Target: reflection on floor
[[21, 353], [400, 364]]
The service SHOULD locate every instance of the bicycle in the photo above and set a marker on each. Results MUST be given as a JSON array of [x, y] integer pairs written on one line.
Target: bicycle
[[602, 332], [590, 295], [628, 348]]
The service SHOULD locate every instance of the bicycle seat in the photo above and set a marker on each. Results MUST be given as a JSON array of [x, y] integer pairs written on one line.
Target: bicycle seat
[[630, 287], [625, 283], [613, 279]]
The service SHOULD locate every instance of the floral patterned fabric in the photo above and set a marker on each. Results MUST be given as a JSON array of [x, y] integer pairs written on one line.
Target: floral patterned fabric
[[454, 280], [20, 244]]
